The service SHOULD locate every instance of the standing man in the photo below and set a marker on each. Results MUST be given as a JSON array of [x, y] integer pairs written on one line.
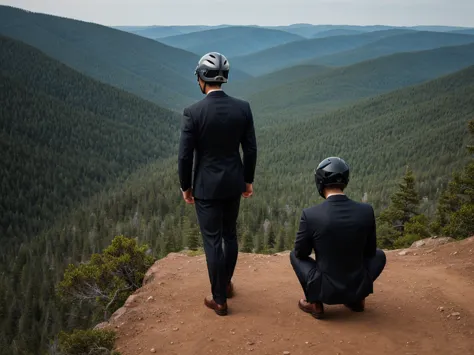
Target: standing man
[[214, 129], [342, 234]]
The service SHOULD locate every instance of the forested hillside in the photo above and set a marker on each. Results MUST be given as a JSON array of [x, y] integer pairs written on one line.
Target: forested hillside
[[330, 89], [232, 41], [408, 42], [144, 67], [64, 137]]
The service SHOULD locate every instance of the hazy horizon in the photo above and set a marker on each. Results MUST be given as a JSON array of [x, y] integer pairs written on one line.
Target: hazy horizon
[[236, 12]]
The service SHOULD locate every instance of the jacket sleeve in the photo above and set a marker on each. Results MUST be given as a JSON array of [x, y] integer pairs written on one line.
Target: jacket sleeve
[[186, 150], [249, 148], [303, 242], [371, 244]]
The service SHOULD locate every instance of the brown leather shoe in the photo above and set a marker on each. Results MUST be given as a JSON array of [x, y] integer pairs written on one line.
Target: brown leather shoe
[[220, 309], [230, 290], [356, 306], [315, 309]]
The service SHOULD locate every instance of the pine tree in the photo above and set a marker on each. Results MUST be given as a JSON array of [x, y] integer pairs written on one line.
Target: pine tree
[[247, 246], [404, 203], [190, 233], [401, 223]]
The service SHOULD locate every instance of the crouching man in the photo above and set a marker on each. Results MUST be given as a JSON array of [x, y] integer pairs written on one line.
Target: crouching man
[[342, 234]]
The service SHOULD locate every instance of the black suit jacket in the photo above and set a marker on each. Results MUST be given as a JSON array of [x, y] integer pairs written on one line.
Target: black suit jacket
[[342, 234], [213, 130]]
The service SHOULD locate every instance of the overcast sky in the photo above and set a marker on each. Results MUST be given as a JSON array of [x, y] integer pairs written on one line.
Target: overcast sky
[[259, 12]]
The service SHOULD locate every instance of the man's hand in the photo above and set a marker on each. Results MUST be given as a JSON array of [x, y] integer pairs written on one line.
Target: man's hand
[[188, 196], [249, 191]]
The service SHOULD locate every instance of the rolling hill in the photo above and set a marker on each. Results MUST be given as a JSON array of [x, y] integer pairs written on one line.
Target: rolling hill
[[294, 53], [231, 41], [154, 71], [247, 88], [395, 44], [333, 88]]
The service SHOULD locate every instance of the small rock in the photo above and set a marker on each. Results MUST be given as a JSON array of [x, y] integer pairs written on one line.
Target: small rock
[[441, 309], [175, 329], [130, 300], [286, 353], [455, 314], [101, 325], [403, 253], [250, 343], [150, 298], [153, 350], [455, 253]]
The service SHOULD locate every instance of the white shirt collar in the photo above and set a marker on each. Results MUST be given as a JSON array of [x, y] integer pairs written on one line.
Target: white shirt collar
[[213, 90]]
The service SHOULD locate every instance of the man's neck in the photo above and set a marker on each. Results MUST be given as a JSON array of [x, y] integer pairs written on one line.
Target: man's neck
[[334, 192], [213, 89]]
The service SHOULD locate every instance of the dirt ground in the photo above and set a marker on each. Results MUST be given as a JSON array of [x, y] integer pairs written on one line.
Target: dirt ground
[[423, 303]]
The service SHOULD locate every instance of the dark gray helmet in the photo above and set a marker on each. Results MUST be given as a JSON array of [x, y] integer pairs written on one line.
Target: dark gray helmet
[[213, 67], [331, 171]]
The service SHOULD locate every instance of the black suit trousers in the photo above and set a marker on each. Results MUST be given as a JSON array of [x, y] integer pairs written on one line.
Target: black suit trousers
[[218, 222], [305, 269]]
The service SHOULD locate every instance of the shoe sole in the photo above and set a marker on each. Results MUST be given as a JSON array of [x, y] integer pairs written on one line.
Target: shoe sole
[[315, 315], [221, 312]]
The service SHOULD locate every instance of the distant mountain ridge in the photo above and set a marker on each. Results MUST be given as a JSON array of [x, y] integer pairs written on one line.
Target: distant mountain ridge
[[410, 42], [231, 41], [294, 53], [304, 30]]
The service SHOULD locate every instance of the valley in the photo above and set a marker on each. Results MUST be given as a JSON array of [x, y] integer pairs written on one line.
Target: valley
[[90, 122]]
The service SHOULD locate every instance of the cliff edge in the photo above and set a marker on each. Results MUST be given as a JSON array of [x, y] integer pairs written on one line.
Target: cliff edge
[[423, 304]]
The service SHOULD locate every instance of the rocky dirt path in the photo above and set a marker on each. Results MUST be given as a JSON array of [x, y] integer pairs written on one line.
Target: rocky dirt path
[[423, 304]]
